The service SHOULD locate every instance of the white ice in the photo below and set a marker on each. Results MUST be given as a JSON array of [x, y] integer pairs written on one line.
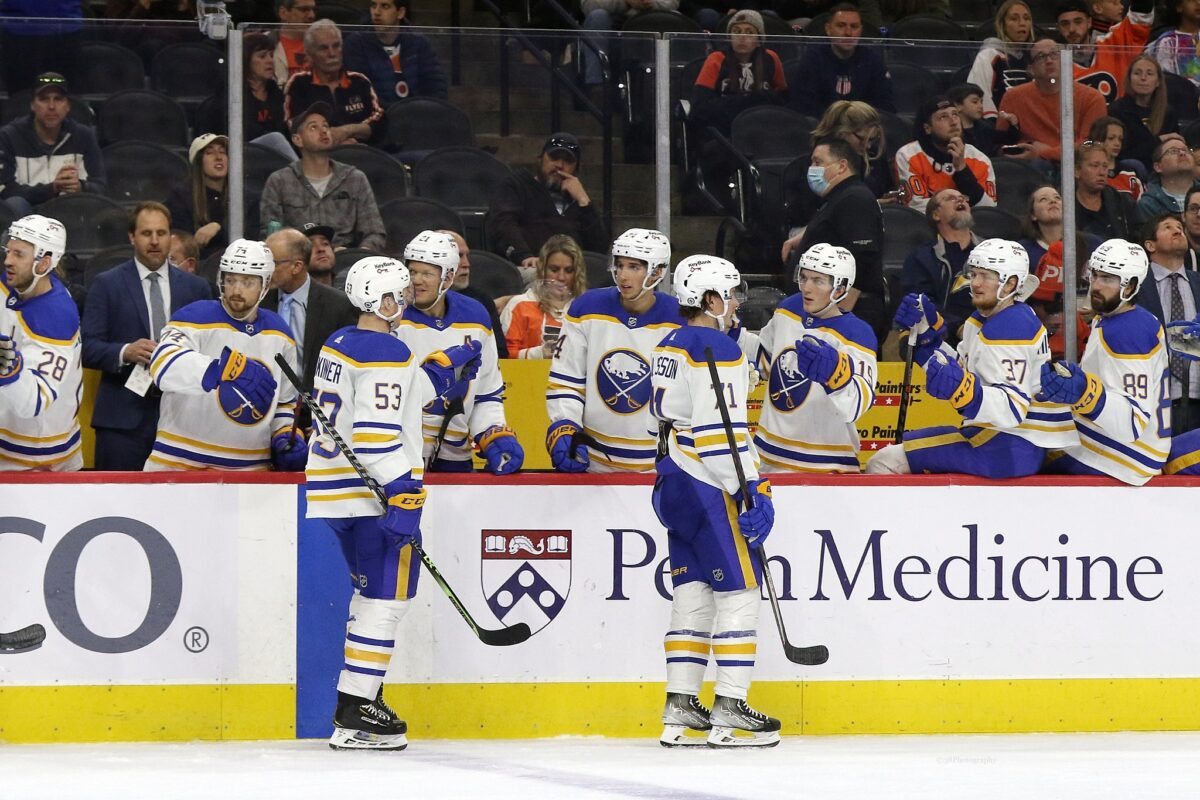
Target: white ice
[[1011, 767]]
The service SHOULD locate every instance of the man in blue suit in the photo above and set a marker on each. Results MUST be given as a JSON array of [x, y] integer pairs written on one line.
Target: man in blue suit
[[125, 310], [1172, 293]]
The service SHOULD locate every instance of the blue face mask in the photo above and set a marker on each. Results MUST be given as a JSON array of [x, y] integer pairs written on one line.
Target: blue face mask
[[817, 181]]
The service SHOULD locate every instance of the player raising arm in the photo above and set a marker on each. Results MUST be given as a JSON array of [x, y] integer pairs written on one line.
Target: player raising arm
[[714, 550]]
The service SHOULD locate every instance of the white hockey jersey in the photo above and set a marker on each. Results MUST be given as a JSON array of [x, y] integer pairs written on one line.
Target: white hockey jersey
[[600, 376], [39, 412], [804, 426], [373, 390], [682, 397], [1128, 434], [195, 429], [1006, 352], [483, 407]]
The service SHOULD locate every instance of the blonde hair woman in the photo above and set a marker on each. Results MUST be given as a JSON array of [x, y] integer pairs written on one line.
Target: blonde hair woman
[[859, 124], [1003, 59], [532, 320]]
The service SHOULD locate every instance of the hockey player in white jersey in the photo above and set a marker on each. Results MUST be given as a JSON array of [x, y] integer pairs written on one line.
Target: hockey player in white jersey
[[715, 552], [992, 380], [440, 318], [372, 388], [225, 404], [41, 374], [820, 363], [599, 389], [1118, 392]]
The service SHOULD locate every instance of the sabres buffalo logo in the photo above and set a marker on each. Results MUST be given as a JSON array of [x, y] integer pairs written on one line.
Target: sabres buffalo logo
[[623, 380], [239, 407], [788, 387]]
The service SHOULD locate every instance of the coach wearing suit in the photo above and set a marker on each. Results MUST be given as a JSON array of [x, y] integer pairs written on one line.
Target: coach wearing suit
[[1173, 293], [313, 311], [125, 310]]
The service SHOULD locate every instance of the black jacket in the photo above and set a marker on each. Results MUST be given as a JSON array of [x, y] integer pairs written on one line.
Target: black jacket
[[1115, 220], [522, 216], [850, 217]]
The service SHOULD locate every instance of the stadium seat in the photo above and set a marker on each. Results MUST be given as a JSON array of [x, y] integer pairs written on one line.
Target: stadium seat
[[771, 132], [341, 13], [970, 12], [597, 269], [405, 218], [494, 275], [661, 22], [816, 27], [260, 162], [913, 37], [6, 216], [142, 171], [903, 230], [387, 176], [912, 85], [209, 267], [344, 260], [463, 178], [1181, 96], [92, 222], [758, 307], [418, 125], [188, 71], [144, 116], [993, 223], [897, 132], [105, 260], [1015, 182], [107, 68]]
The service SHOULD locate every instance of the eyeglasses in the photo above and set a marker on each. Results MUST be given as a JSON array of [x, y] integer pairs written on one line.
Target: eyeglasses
[[1039, 57], [1193, 210], [1176, 151]]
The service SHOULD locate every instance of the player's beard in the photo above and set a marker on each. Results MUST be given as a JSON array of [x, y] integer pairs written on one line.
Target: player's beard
[[985, 304], [1102, 305]]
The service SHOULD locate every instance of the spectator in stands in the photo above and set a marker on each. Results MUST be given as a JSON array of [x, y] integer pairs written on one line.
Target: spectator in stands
[[398, 62], [1100, 209], [934, 268], [46, 153], [462, 285], [841, 70], [1191, 227], [1110, 132], [318, 189], [977, 131], [262, 112], [1035, 107], [1173, 167], [1043, 222], [126, 309], [1104, 39], [1175, 48], [532, 321], [357, 115], [858, 124], [1003, 61], [296, 16], [323, 259], [1144, 111], [201, 204], [184, 252], [939, 159], [849, 217], [609, 15], [1047, 300], [531, 206]]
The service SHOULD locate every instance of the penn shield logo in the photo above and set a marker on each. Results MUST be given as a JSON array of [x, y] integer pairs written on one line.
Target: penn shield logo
[[623, 380], [788, 388], [526, 574]]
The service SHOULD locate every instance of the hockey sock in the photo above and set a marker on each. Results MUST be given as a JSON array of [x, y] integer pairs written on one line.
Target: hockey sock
[[735, 640], [370, 640], [687, 642]]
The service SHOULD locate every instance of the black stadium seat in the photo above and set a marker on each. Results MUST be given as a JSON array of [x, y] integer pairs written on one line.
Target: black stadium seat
[[1015, 182], [260, 162], [404, 219], [142, 171], [387, 176], [764, 132], [143, 116], [344, 260], [92, 222], [107, 68], [993, 223], [903, 230], [463, 178], [418, 125], [930, 41], [912, 85], [494, 276], [597, 269], [188, 71]]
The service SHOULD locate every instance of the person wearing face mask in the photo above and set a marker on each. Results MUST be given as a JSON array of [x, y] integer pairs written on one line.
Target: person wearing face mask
[[849, 217]]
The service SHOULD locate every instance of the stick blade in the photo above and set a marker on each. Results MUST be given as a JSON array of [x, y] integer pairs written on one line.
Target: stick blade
[[504, 637], [24, 640], [808, 656]]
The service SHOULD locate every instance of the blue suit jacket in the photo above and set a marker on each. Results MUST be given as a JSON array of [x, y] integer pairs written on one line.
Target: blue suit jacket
[[1147, 296], [114, 315]]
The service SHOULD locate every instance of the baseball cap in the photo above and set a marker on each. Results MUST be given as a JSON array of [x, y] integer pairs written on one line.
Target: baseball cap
[[48, 81], [324, 109], [932, 106], [202, 141], [562, 143], [317, 229]]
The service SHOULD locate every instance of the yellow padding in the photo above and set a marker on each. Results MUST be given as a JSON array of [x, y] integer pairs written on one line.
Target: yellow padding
[[354, 654], [234, 366], [733, 649], [691, 647]]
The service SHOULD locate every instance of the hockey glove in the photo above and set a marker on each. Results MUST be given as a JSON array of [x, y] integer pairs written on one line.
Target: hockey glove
[[11, 361], [821, 362], [560, 440], [401, 521], [1067, 383], [947, 380], [499, 447], [917, 310], [243, 385], [756, 521], [1184, 338], [452, 369], [289, 452]]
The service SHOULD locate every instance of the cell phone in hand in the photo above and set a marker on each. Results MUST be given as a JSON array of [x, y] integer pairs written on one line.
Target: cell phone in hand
[[1012, 150]]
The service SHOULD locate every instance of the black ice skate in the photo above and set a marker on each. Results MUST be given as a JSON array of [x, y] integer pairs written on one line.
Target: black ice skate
[[683, 713], [361, 724], [730, 717]]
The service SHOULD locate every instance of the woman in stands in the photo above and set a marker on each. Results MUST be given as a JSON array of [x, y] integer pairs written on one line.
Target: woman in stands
[[262, 113], [859, 124], [1124, 176], [532, 320], [199, 205], [1144, 111], [1043, 223], [1003, 60]]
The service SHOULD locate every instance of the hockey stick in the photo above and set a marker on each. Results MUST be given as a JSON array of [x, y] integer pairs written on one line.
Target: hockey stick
[[814, 654], [452, 410], [906, 387], [513, 634], [28, 638]]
